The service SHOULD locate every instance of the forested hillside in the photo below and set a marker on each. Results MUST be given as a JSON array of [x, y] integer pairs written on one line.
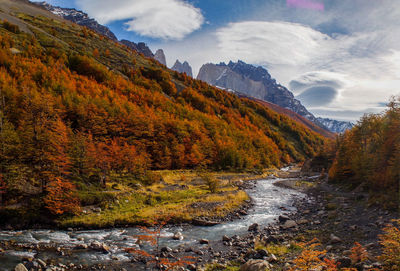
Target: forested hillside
[[78, 109], [368, 156]]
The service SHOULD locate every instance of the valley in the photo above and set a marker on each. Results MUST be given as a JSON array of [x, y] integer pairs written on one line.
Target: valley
[[110, 160]]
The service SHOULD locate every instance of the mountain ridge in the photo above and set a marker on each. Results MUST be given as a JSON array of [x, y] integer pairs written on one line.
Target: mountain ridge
[[255, 82], [336, 126]]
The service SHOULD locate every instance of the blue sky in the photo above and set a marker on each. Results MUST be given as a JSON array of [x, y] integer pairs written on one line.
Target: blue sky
[[341, 58]]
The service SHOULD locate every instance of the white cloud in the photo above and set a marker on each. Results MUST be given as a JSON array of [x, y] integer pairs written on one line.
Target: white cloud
[[274, 43], [165, 19]]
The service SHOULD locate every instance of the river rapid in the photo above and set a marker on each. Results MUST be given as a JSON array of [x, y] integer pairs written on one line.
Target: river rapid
[[269, 201]]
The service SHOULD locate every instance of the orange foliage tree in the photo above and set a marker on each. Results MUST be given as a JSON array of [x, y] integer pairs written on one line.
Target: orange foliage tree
[[390, 242], [154, 258], [61, 198]]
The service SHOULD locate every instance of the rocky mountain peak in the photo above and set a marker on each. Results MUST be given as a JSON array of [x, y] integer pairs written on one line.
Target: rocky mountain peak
[[160, 57], [183, 68], [254, 82], [79, 17], [336, 126]]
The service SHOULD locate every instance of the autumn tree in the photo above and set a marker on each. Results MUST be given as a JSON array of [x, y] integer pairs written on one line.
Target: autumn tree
[[154, 257], [61, 197]]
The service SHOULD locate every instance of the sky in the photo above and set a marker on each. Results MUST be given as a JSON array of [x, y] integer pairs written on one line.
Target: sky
[[340, 58]]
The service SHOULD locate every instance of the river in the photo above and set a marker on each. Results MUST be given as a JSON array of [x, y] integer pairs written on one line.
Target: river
[[269, 200]]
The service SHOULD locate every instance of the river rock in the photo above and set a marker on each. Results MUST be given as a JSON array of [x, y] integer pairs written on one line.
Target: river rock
[[226, 238], [272, 258], [97, 209], [289, 224], [204, 241], [302, 221], [253, 227], [96, 245], [178, 236], [81, 246], [166, 249], [335, 239], [255, 265], [283, 218], [20, 267], [41, 262]]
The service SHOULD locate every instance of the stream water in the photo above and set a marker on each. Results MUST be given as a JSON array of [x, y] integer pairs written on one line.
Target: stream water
[[270, 201]]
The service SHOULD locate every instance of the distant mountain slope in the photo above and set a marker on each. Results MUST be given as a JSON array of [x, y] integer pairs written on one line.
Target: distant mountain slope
[[252, 81], [300, 119], [80, 18], [336, 126], [83, 19]]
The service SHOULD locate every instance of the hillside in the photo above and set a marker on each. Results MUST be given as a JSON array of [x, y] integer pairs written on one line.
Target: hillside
[[80, 111], [294, 116], [367, 157]]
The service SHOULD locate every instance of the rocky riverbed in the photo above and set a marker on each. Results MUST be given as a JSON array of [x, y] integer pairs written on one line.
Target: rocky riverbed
[[284, 212]]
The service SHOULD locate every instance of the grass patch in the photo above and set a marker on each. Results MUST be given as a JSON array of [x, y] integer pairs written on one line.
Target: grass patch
[[232, 266], [305, 184], [173, 197]]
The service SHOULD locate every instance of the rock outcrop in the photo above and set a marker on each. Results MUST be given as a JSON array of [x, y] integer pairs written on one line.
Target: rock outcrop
[[140, 47], [252, 81], [183, 68], [160, 57]]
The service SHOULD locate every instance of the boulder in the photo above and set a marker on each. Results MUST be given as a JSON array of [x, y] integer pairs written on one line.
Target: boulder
[[178, 236], [289, 224], [302, 221], [166, 249], [253, 227], [335, 239], [283, 218], [204, 241], [255, 265], [272, 258], [81, 246], [41, 262], [20, 267], [96, 245]]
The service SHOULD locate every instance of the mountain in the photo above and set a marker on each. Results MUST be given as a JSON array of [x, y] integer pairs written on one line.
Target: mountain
[[300, 119], [252, 81], [336, 126], [80, 18], [140, 47], [182, 68], [160, 57], [83, 19], [81, 114]]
